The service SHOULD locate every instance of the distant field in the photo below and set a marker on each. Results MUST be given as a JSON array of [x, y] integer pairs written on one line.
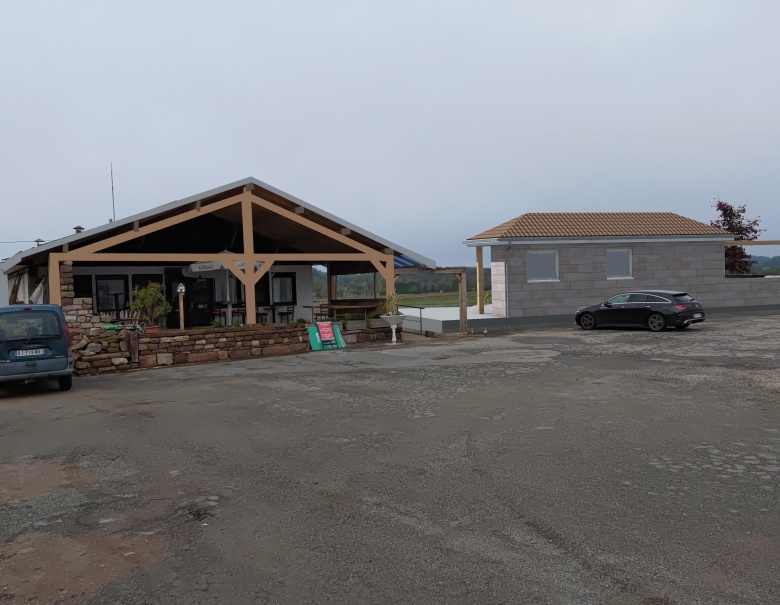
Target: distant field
[[445, 299]]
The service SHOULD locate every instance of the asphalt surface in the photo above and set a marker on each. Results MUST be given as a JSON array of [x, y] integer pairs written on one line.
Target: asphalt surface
[[544, 466]]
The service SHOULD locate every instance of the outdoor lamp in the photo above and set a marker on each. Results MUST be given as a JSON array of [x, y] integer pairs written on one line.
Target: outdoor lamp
[[181, 289]]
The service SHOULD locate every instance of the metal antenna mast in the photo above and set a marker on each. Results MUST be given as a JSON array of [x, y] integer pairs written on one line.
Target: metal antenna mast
[[113, 205]]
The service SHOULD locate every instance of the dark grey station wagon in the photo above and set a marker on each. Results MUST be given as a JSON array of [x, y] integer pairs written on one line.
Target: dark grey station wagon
[[35, 344], [654, 309]]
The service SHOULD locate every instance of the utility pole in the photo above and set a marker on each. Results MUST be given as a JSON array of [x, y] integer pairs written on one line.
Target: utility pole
[[113, 205]]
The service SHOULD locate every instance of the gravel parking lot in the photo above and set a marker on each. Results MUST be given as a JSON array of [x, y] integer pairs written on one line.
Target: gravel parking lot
[[544, 466]]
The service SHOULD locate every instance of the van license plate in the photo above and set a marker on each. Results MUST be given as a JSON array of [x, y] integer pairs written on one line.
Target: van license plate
[[29, 352], [696, 315]]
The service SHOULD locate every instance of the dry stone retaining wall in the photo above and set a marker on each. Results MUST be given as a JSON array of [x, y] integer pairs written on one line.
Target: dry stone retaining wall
[[101, 351]]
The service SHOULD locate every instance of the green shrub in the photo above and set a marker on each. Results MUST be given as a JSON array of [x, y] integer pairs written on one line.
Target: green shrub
[[150, 303]]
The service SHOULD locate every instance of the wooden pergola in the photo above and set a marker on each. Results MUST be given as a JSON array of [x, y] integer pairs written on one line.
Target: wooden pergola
[[301, 235]]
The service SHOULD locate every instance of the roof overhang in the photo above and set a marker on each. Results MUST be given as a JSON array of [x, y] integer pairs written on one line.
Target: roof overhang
[[403, 256], [643, 239]]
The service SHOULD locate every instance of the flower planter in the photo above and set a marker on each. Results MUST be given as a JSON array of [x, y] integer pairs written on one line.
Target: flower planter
[[393, 321], [355, 325]]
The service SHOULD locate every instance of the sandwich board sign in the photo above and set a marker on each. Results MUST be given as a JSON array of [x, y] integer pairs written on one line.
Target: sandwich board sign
[[324, 335]]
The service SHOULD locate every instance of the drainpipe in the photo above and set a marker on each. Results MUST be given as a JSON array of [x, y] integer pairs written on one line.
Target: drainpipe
[[506, 282]]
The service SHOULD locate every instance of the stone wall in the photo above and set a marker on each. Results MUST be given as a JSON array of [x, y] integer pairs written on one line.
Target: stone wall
[[101, 351], [372, 330]]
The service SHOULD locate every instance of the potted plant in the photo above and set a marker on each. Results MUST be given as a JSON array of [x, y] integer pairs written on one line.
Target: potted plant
[[151, 305], [391, 315]]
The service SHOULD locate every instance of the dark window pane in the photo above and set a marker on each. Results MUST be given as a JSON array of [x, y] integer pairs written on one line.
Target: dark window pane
[[542, 265], [683, 298], [637, 298], [82, 286]]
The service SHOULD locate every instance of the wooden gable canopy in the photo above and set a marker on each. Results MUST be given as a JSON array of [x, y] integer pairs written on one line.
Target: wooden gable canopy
[[267, 227]]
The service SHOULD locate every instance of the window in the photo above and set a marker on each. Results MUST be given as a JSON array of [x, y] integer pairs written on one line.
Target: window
[[111, 294], [620, 299], [637, 298], [543, 266], [283, 289], [619, 264]]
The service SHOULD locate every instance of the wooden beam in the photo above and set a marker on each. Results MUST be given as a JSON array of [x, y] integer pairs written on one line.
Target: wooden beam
[[157, 226], [249, 263], [55, 291], [480, 283], [193, 257], [421, 270], [316, 227]]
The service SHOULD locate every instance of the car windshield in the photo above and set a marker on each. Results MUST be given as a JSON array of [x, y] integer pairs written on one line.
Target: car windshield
[[29, 325]]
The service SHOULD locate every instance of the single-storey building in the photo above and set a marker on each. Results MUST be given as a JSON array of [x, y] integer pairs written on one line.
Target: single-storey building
[[549, 264], [265, 240]]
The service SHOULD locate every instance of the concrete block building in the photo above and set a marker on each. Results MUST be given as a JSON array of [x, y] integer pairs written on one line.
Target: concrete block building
[[549, 264]]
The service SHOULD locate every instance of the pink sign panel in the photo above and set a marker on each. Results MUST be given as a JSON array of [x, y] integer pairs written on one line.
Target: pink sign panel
[[325, 328]]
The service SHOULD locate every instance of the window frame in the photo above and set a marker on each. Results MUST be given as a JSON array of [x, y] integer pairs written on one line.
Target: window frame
[[630, 263], [284, 275], [98, 308], [531, 253]]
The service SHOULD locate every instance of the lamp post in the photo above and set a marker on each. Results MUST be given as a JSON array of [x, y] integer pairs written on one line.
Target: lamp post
[[181, 291]]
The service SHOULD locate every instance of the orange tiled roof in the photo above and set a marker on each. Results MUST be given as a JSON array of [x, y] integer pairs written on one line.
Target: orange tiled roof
[[598, 224]]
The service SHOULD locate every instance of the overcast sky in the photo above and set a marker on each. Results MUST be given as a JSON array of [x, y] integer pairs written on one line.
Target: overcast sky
[[424, 122]]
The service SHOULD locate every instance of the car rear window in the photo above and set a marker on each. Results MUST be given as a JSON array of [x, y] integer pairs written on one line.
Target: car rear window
[[683, 298], [23, 325]]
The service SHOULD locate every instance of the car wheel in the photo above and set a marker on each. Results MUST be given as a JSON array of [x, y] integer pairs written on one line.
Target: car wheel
[[656, 322], [683, 326], [587, 321], [65, 382]]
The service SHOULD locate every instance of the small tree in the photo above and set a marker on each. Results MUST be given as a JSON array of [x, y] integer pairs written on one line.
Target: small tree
[[150, 303], [732, 219]]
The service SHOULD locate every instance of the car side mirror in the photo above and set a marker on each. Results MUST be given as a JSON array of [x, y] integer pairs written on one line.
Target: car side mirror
[[606, 303]]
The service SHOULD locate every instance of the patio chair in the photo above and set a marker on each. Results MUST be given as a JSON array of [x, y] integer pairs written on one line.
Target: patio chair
[[321, 313], [262, 315], [286, 314]]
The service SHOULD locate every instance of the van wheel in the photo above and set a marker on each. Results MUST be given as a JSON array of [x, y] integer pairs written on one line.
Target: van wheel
[[65, 382]]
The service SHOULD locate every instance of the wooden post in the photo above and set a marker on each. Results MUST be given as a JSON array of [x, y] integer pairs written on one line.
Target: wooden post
[[55, 289], [480, 284], [181, 310], [463, 296], [249, 261]]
